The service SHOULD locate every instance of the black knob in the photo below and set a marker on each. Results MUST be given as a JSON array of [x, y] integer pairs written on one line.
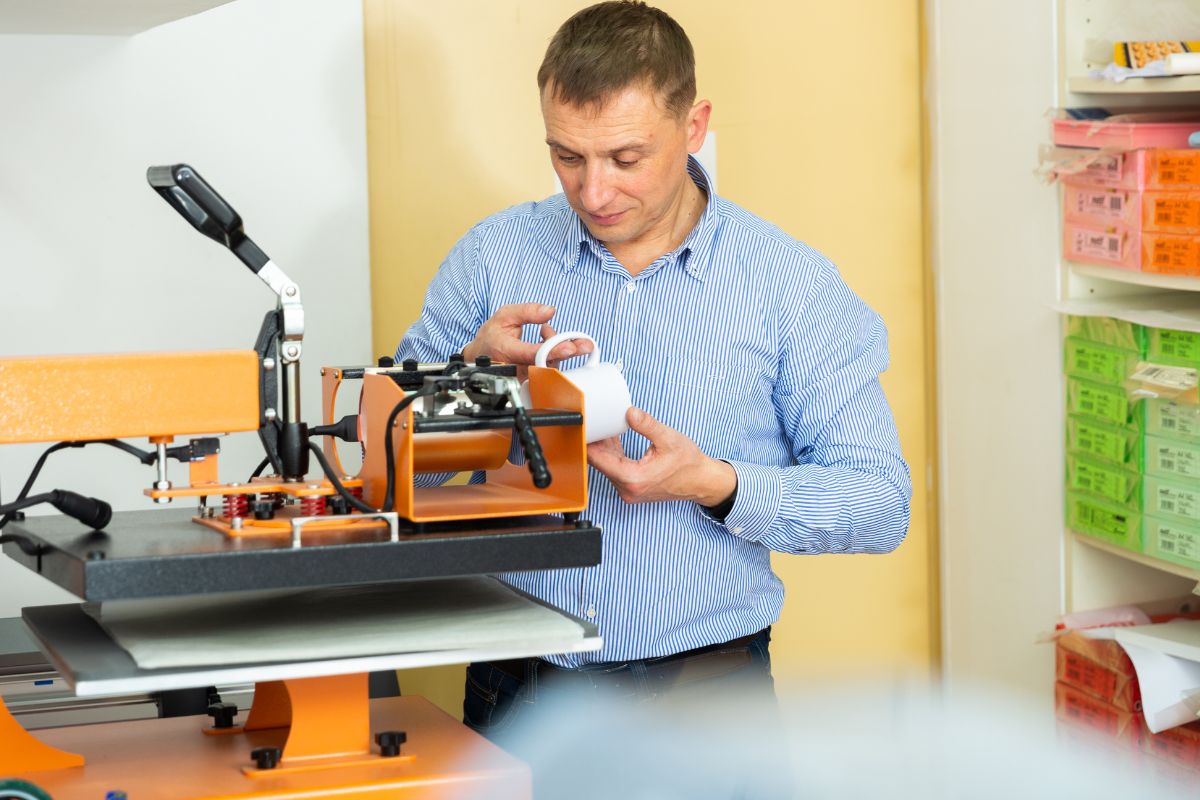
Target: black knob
[[337, 505], [411, 365], [389, 742], [483, 361], [264, 509], [387, 361], [266, 757], [222, 714]]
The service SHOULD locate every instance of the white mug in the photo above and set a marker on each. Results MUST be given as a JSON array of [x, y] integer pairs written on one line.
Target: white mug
[[605, 392]]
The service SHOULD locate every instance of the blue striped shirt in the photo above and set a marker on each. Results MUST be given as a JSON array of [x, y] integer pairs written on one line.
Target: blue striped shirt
[[745, 340]]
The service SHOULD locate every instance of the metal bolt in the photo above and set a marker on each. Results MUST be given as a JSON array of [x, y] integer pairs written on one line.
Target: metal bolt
[[322, 372], [313, 485], [235, 483], [236, 523], [290, 291], [270, 414], [292, 351], [268, 364]]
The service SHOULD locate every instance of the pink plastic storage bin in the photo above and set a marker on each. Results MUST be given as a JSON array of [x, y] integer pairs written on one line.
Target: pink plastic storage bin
[[1101, 206], [1117, 246], [1122, 134], [1155, 168]]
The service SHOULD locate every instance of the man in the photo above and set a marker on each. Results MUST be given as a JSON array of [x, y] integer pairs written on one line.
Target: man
[[759, 423]]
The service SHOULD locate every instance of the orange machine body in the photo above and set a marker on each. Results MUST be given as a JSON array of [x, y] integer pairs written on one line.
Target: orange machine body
[[509, 490], [152, 395]]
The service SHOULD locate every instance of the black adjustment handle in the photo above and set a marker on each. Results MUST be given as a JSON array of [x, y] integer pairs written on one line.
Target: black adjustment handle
[[266, 757], [389, 742], [533, 449], [222, 714], [207, 211]]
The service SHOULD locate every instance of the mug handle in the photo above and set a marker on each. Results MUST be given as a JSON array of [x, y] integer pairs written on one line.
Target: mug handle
[[553, 341]]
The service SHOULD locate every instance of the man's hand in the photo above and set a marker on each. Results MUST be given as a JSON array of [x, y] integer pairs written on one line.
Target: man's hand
[[673, 467], [500, 336]]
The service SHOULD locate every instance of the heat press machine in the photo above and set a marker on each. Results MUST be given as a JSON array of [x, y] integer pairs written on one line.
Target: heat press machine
[[311, 731]]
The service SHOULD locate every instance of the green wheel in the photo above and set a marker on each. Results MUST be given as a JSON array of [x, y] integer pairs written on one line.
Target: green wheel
[[21, 790]]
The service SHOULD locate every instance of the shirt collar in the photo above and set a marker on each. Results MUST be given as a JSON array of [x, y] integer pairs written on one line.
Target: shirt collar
[[692, 254]]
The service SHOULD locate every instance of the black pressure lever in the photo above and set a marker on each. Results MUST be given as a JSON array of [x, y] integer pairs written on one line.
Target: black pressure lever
[[199, 204], [532, 447]]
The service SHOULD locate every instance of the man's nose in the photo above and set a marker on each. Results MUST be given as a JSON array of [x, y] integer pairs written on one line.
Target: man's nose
[[597, 190]]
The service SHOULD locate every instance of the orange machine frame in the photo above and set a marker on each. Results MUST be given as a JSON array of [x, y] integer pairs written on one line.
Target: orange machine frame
[[155, 395], [323, 727]]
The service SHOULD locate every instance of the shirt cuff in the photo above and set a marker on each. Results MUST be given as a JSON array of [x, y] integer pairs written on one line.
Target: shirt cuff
[[759, 490]]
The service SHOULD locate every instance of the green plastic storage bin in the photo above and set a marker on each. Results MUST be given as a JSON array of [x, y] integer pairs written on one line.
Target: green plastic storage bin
[[1176, 420], [1097, 362], [1171, 498], [1110, 331], [1111, 523], [1173, 347], [1100, 401], [1105, 479], [1172, 541], [1116, 443], [1172, 458]]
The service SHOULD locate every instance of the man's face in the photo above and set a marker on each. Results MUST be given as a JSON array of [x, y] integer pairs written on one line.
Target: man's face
[[623, 165]]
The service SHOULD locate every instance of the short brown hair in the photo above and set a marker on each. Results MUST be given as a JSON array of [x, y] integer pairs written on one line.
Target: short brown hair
[[609, 46]]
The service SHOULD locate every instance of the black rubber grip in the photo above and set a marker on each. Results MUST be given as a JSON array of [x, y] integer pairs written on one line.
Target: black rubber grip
[[88, 510], [533, 450]]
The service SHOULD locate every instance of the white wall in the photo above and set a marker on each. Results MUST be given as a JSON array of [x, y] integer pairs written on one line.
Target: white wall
[[999, 390], [265, 99]]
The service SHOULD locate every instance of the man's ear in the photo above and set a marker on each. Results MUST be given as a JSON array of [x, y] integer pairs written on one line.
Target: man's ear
[[697, 125]]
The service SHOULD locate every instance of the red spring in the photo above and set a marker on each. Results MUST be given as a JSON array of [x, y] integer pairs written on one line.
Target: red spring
[[313, 505], [356, 491], [236, 505]]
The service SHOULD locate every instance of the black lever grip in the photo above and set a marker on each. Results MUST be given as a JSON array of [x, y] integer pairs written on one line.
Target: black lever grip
[[533, 449]]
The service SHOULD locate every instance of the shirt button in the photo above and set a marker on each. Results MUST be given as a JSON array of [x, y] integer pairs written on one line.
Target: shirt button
[[630, 287], [739, 530], [591, 612]]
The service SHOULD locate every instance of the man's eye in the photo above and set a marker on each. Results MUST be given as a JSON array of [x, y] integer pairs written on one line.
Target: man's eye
[[621, 163], [568, 159]]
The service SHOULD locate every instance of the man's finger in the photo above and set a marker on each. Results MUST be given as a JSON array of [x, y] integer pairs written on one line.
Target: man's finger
[[523, 313], [643, 423]]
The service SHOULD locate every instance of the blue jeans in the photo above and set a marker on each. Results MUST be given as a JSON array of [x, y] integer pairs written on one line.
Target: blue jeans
[[645, 728]]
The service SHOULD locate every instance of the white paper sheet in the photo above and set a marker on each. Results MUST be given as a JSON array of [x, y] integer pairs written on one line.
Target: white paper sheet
[[1175, 310], [263, 627], [1166, 658]]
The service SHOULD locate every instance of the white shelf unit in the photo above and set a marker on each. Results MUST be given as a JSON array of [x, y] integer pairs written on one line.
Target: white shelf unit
[[1097, 574], [95, 17]]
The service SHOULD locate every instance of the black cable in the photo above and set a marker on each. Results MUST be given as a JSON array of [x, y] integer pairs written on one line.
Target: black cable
[[88, 510], [147, 457], [37, 468], [389, 501], [337, 483], [259, 469]]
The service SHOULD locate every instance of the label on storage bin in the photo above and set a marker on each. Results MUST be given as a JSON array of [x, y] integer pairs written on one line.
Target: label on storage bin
[[1182, 420], [1114, 483], [1088, 360], [1099, 204], [1178, 379], [1106, 169], [1176, 211], [1174, 540], [1176, 344], [1099, 440], [1100, 401], [1088, 515], [1176, 500], [1175, 167], [1096, 244], [1176, 459], [1171, 255]]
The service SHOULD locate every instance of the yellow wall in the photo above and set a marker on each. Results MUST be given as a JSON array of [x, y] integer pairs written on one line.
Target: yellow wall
[[817, 111]]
